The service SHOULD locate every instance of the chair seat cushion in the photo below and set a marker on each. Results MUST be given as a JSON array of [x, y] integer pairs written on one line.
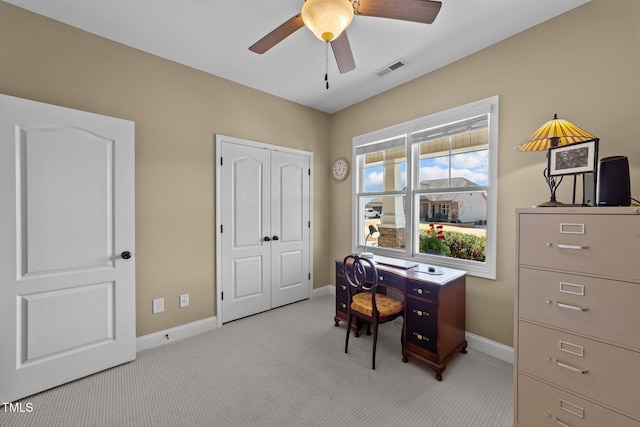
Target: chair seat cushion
[[386, 305]]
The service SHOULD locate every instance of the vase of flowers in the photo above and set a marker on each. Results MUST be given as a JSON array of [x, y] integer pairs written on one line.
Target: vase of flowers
[[432, 241]]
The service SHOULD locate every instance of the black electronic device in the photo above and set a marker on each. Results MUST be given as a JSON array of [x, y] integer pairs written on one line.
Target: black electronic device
[[614, 184]]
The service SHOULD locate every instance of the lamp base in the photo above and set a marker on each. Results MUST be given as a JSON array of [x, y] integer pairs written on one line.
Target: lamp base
[[550, 204], [366, 255]]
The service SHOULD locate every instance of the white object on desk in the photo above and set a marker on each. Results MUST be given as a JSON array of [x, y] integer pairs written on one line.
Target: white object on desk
[[395, 262], [429, 270]]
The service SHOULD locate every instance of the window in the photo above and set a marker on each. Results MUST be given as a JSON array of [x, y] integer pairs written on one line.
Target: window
[[429, 186]]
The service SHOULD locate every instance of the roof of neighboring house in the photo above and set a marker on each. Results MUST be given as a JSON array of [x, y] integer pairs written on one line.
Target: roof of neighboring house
[[455, 182]]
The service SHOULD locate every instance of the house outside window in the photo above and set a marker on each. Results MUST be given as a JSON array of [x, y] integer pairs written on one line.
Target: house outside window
[[433, 176]]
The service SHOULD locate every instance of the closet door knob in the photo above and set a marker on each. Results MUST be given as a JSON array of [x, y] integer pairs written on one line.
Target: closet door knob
[[266, 238], [276, 238], [126, 255]]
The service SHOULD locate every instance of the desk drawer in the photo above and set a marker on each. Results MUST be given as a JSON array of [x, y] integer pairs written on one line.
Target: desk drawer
[[600, 308], [541, 405], [600, 371], [603, 245], [341, 292], [422, 316], [422, 290], [341, 303], [387, 278], [427, 341]]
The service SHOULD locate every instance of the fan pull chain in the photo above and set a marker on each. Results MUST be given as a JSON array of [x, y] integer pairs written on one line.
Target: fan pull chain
[[326, 63]]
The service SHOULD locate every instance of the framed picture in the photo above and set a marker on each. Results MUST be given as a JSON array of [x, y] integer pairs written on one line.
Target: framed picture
[[573, 159]]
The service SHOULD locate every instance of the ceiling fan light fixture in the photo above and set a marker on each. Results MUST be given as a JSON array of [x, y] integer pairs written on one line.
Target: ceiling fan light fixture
[[327, 19]]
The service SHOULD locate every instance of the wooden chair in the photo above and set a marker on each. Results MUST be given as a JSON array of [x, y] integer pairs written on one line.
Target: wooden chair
[[363, 300]]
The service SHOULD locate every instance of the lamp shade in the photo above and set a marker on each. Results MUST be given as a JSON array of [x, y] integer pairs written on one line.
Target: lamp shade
[[327, 19], [555, 133]]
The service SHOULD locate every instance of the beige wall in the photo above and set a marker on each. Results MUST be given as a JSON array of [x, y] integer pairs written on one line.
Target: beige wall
[[582, 65], [177, 112]]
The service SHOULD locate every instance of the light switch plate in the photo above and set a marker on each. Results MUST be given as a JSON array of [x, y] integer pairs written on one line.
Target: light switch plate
[[184, 300], [158, 305]]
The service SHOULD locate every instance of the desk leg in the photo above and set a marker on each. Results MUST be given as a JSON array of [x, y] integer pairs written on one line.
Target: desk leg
[[437, 365]]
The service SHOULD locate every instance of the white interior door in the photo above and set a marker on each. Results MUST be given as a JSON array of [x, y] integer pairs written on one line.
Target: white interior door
[[67, 295], [246, 219], [264, 234], [290, 224]]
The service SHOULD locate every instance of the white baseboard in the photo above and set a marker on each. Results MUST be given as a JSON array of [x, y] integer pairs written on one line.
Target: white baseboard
[[492, 348], [174, 334], [325, 290]]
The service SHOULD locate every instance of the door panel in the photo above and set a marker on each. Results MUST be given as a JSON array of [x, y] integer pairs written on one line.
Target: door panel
[[247, 278], [247, 200], [67, 298], [51, 202], [245, 221], [291, 191], [291, 269], [43, 338]]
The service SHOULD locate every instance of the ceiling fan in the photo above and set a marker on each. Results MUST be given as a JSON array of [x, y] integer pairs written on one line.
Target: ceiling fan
[[328, 20]]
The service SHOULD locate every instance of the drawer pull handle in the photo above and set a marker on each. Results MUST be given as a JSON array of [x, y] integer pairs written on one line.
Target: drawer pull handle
[[344, 305], [344, 288], [571, 368], [560, 423], [571, 306], [577, 247], [421, 313], [420, 291], [420, 337]]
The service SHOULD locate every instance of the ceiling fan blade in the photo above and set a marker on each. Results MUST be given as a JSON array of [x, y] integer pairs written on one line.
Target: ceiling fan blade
[[276, 36], [422, 11], [342, 52]]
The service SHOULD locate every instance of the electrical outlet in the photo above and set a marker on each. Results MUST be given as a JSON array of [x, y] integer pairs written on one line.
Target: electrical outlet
[[184, 300], [158, 306]]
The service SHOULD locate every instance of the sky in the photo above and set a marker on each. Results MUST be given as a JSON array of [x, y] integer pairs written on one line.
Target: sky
[[473, 165]]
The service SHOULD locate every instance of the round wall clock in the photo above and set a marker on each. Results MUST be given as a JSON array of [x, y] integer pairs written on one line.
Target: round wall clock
[[340, 169]]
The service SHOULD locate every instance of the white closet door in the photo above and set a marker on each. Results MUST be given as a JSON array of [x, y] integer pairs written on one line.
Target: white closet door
[[246, 221], [263, 240], [67, 294], [290, 225]]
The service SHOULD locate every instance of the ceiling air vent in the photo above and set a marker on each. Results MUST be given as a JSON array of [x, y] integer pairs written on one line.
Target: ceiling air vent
[[391, 67]]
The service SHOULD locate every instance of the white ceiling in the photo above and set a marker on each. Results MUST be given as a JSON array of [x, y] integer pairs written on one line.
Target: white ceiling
[[214, 36]]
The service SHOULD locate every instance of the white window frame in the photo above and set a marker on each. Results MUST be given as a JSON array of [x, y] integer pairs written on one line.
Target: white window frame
[[488, 106]]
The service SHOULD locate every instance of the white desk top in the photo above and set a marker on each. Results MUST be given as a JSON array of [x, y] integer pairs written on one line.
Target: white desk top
[[419, 271]]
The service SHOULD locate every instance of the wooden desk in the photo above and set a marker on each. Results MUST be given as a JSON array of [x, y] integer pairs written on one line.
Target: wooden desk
[[434, 311]]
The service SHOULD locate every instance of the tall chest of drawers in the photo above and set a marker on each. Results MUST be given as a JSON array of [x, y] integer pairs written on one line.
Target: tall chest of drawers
[[577, 317]]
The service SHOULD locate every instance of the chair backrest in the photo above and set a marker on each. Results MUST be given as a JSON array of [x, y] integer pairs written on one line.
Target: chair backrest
[[361, 275]]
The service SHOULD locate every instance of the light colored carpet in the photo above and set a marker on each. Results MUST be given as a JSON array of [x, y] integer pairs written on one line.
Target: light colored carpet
[[285, 367]]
